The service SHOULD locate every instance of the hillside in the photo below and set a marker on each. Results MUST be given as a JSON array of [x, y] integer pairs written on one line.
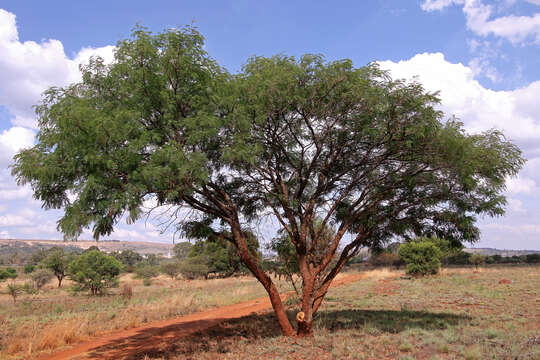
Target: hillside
[[12, 250]]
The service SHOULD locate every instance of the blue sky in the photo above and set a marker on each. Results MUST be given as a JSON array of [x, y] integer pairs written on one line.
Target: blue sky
[[482, 55]]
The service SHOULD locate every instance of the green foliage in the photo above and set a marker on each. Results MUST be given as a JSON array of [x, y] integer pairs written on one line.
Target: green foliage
[[40, 277], [182, 249], [459, 258], [29, 268], [57, 261], [477, 260], [129, 258], [288, 137], [421, 256], [171, 268], [194, 268], [221, 256], [94, 271], [8, 273], [147, 271], [532, 258]]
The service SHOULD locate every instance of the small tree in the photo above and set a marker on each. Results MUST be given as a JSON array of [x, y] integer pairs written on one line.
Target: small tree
[[57, 261], [29, 268], [14, 290], [422, 257], [147, 272], [194, 268], [171, 268], [94, 271], [477, 260], [129, 258], [41, 277], [182, 249]]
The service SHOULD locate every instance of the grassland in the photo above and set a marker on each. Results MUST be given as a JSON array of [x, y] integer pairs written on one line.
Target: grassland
[[493, 313], [55, 318], [460, 314]]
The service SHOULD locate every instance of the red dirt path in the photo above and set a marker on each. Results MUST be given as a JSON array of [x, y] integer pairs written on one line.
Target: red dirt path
[[127, 343]]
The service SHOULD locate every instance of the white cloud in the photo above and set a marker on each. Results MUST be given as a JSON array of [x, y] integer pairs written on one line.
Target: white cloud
[[521, 185], [4, 234], [515, 205], [513, 112], [436, 5], [14, 220], [479, 16], [28, 68], [13, 140]]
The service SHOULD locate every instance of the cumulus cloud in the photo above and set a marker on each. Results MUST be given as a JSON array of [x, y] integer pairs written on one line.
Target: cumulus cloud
[[479, 108], [14, 220], [28, 68], [12, 140], [480, 20]]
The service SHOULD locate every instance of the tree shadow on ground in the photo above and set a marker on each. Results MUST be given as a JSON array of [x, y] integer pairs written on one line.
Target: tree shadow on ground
[[221, 336]]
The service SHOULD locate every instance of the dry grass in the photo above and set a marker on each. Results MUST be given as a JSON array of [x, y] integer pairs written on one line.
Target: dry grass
[[461, 314], [55, 318]]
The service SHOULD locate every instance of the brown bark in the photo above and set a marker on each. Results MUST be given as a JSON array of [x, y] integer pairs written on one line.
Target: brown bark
[[264, 279]]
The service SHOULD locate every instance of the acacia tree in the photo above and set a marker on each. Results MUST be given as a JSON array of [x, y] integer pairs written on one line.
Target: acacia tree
[[297, 140]]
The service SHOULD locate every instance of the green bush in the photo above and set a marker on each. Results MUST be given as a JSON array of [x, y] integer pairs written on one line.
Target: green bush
[[8, 273], [41, 277], [477, 260], [29, 268], [171, 268], [94, 271], [146, 271], [129, 258], [421, 256], [192, 269]]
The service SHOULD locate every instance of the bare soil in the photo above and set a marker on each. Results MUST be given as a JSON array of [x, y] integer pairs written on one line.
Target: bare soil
[[136, 342]]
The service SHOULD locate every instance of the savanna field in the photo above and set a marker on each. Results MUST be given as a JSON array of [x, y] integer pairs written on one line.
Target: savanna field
[[462, 313]]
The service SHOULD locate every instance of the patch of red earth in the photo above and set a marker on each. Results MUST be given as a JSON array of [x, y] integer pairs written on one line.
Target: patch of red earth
[[385, 287], [505, 281], [128, 343]]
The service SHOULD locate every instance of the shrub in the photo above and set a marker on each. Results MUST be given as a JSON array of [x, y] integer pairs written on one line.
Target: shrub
[[477, 260], [29, 268], [422, 257], [41, 277], [8, 273], [14, 290], [193, 270], [171, 268], [532, 258], [129, 258], [94, 271], [146, 271]]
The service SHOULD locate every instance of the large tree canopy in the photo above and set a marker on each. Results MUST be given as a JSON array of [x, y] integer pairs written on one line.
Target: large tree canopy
[[310, 143]]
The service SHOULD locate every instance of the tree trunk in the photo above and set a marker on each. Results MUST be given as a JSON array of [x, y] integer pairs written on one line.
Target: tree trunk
[[60, 280], [305, 317], [264, 279]]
